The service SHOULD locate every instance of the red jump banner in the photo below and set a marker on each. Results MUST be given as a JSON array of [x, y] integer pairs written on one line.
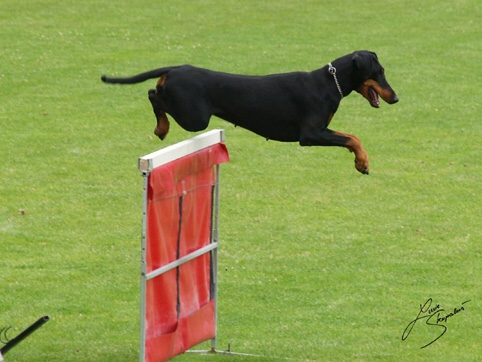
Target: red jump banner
[[179, 246]]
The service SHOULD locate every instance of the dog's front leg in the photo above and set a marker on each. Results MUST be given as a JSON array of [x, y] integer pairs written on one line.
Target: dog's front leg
[[361, 156], [332, 138]]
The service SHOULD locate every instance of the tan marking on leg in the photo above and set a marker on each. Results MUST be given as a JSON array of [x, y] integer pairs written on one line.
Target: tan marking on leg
[[162, 128], [354, 145]]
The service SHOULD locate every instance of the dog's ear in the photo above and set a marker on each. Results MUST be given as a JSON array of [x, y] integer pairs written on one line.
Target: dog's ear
[[363, 60], [358, 60]]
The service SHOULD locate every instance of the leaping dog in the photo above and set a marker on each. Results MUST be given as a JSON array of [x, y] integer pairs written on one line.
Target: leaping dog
[[289, 107]]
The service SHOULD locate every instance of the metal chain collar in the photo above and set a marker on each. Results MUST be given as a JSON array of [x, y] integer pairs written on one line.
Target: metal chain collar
[[332, 71]]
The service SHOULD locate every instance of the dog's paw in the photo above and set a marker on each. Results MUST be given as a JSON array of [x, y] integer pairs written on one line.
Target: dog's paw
[[362, 165]]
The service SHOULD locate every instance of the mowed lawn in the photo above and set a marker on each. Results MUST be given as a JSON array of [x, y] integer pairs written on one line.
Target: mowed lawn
[[317, 262]]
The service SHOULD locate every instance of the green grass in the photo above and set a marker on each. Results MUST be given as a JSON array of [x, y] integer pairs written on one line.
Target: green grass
[[318, 262]]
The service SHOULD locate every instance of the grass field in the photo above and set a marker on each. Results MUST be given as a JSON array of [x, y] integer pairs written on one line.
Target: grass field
[[318, 262]]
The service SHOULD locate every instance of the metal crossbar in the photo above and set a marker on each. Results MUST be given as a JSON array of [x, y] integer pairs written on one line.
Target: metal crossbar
[[180, 261]]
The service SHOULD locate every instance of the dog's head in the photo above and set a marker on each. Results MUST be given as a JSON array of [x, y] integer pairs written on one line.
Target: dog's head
[[369, 77]]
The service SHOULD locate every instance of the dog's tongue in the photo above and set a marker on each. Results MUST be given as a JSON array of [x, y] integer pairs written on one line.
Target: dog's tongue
[[375, 102]]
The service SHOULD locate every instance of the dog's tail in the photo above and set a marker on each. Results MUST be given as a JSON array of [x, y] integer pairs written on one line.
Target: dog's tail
[[156, 73]]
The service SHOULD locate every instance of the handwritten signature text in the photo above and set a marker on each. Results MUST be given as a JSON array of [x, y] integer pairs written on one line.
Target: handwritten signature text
[[435, 316]]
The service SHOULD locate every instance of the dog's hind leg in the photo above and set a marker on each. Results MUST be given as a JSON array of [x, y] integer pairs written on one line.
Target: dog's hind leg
[[162, 127], [158, 106]]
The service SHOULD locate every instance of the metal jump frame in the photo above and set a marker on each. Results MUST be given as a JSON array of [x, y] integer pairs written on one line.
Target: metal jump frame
[[146, 165]]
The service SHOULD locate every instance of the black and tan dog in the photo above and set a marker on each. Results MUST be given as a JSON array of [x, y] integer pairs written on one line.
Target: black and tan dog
[[291, 107]]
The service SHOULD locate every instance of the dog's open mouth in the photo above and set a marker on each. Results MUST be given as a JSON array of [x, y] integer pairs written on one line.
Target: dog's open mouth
[[374, 101]]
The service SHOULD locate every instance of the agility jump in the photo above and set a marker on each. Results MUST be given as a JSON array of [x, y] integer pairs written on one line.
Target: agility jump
[[179, 246]]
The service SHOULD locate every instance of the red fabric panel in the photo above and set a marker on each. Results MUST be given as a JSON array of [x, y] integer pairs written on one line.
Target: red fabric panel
[[179, 312], [163, 225], [195, 284], [166, 184], [170, 174], [199, 326], [196, 211], [192, 330], [195, 275]]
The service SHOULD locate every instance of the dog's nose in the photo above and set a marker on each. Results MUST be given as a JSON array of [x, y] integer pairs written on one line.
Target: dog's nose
[[395, 99]]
